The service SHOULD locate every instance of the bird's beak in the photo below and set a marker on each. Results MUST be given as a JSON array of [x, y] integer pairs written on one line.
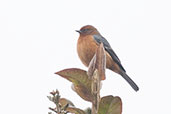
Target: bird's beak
[[78, 31]]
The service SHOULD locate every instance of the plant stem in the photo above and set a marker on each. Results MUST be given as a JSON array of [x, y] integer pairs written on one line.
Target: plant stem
[[95, 91], [58, 109]]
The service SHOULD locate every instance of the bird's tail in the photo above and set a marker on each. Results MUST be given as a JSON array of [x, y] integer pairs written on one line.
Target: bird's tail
[[129, 80]]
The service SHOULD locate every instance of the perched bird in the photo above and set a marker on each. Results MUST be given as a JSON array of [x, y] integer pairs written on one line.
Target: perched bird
[[88, 41]]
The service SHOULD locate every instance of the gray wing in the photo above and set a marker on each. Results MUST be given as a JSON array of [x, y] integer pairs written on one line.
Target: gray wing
[[99, 39]]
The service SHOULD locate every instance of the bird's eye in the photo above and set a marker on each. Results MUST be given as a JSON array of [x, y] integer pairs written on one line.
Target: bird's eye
[[85, 30]]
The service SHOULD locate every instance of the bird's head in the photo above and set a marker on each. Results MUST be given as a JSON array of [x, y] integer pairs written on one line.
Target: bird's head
[[88, 30]]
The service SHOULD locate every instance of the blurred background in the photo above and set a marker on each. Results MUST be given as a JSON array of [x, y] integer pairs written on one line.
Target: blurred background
[[38, 38]]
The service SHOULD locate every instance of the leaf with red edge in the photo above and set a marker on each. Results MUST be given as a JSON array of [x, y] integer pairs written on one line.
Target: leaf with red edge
[[110, 105], [80, 80]]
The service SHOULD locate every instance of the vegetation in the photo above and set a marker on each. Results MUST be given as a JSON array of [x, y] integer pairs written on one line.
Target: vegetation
[[87, 85]]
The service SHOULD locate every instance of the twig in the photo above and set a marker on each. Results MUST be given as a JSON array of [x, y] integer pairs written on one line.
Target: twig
[[55, 100], [53, 109]]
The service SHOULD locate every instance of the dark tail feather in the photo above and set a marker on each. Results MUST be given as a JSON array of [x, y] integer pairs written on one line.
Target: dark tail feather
[[129, 80]]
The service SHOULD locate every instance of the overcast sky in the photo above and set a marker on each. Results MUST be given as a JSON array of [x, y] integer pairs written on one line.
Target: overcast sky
[[38, 38]]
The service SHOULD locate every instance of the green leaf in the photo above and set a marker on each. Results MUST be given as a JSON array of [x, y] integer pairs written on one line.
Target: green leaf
[[80, 80], [110, 105]]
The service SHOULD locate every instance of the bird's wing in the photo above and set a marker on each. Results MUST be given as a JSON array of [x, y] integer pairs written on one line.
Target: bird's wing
[[99, 39]]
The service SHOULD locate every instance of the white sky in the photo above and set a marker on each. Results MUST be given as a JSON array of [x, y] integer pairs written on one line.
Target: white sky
[[38, 38]]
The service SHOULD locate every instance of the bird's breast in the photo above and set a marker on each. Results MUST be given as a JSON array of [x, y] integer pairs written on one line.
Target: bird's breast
[[86, 48]]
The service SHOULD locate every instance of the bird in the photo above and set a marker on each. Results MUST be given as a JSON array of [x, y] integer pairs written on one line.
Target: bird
[[87, 44]]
